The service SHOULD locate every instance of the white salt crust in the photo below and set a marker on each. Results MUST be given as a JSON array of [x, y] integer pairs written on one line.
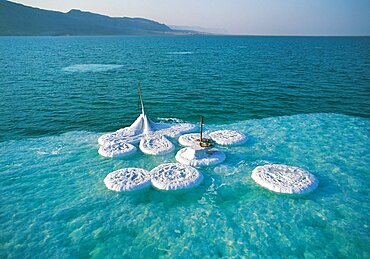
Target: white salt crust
[[124, 134], [228, 137], [108, 137], [285, 179], [156, 145], [128, 179], [143, 129], [142, 125], [198, 156], [175, 130], [117, 148], [191, 139], [174, 176]]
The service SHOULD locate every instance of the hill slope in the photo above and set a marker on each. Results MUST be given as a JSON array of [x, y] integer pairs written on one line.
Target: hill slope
[[17, 19]]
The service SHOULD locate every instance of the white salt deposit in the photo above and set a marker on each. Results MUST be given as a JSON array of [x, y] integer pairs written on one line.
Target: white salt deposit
[[155, 144], [142, 125], [123, 134], [198, 156], [285, 179], [107, 138], [152, 136], [180, 52], [228, 137], [132, 134], [175, 130], [128, 179], [174, 176], [191, 139], [91, 67], [116, 148]]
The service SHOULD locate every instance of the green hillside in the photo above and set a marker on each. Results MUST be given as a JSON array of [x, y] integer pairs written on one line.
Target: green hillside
[[17, 19]]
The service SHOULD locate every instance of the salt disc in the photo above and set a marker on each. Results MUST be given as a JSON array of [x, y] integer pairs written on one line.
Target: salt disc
[[285, 179], [198, 156], [108, 137], [174, 176], [228, 137], [128, 179], [124, 134], [156, 145], [191, 139], [116, 148]]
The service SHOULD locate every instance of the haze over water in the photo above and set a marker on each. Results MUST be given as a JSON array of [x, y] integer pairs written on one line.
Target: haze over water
[[303, 101]]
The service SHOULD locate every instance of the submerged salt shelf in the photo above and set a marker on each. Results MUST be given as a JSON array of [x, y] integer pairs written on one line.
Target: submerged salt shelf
[[128, 180], [91, 67], [199, 156], [285, 179], [228, 137], [174, 176], [180, 52]]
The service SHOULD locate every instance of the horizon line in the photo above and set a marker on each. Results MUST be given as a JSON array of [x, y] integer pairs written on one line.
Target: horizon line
[[194, 35]]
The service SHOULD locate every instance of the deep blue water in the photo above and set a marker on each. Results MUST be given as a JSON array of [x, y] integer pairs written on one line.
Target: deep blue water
[[303, 101], [227, 79]]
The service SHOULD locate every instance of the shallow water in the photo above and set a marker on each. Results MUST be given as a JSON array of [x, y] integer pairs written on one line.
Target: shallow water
[[53, 199]]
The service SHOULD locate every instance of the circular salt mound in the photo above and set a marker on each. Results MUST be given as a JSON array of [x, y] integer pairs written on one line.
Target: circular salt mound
[[198, 156], [116, 148], [190, 139], [156, 145], [125, 134], [285, 179], [228, 137], [108, 138], [174, 176], [128, 179]]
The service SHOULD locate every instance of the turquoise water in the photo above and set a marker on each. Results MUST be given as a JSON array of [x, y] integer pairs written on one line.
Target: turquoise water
[[302, 101]]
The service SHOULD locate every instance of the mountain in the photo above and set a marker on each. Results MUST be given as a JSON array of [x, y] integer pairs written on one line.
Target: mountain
[[17, 19], [198, 29]]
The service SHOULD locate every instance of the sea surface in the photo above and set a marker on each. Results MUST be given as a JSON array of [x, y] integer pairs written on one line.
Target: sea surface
[[302, 101]]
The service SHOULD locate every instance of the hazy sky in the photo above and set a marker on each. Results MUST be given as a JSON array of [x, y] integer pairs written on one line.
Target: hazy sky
[[286, 17]]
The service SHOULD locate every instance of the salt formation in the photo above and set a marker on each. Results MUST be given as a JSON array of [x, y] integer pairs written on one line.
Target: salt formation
[[174, 176], [175, 130], [199, 156], [143, 127], [132, 134], [116, 148], [128, 179], [152, 136], [228, 137], [103, 139], [200, 152], [91, 67], [156, 145], [189, 140], [285, 179]]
